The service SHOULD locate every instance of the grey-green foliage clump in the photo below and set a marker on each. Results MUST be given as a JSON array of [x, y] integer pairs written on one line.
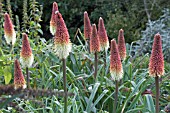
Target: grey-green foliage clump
[[162, 26]]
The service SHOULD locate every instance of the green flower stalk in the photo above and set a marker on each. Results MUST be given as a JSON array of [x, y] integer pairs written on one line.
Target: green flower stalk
[[94, 46], [62, 48], [116, 69], [26, 56], [156, 65]]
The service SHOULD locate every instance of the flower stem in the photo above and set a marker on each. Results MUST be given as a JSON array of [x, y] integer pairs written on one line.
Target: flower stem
[[11, 50], [28, 78], [104, 59], [65, 88], [88, 45], [96, 64], [157, 94], [116, 97]]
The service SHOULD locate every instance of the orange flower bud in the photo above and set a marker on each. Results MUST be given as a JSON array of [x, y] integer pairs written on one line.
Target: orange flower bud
[[9, 31], [19, 81], [116, 69], [94, 40], [104, 43], [156, 64], [61, 39], [121, 45], [87, 26], [53, 19], [26, 56]]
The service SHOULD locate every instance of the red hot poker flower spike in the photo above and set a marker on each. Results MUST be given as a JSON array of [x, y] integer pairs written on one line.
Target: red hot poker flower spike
[[53, 19], [116, 69], [19, 81], [94, 40], [87, 26], [9, 31], [104, 43], [61, 39], [121, 45], [156, 64], [26, 56]]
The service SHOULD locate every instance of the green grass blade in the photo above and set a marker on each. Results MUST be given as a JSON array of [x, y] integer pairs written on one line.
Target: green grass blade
[[136, 88], [135, 100], [90, 101], [149, 104], [99, 98]]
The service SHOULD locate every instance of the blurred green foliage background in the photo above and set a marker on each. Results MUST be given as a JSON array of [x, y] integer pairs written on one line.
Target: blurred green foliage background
[[131, 15]]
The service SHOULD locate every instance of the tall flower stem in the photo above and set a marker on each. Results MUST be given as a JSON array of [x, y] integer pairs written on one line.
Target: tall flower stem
[[96, 64], [28, 78], [11, 48], [105, 58], [116, 96], [157, 94], [156, 65], [65, 82], [88, 44]]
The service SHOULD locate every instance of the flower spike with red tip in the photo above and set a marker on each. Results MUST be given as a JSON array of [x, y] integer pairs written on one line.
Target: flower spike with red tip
[[103, 38], [53, 19], [19, 81], [116, 69], [94, 46], [62, 48], [61, 39], [87, 26], [9, 31], [94, 40], [121, 45], [26, 56], [156, 64]]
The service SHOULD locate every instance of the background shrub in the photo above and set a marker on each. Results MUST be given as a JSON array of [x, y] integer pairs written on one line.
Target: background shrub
[[162, 25]]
